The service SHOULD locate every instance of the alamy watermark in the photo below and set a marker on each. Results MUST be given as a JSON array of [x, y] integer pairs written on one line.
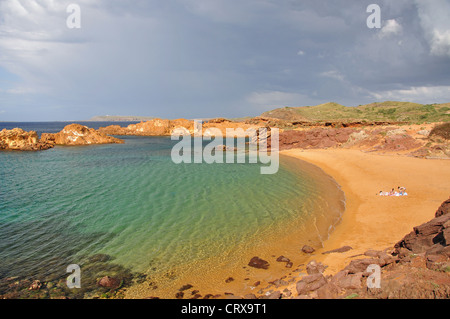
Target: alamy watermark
[[236, 149], [374, 279], [374, 20], [73, 21], [74, 279]]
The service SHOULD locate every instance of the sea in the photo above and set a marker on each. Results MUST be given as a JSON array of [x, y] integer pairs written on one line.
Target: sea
[[129, 205]]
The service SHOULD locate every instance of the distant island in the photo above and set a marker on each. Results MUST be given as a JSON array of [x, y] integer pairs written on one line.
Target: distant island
[[119, 118]]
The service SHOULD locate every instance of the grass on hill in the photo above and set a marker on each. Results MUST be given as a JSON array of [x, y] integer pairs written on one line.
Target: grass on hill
[[385, 111]]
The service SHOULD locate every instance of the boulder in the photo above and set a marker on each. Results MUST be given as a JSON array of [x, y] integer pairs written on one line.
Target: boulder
[[360, 265], [36, 285], [185, 287], [283, 259], [308, 249], [351, 281], [310, 283], [109, 282], [259, 263], [315, 268]]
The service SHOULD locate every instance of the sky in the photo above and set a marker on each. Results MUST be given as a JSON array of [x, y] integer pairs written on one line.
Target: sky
[[216, 58]]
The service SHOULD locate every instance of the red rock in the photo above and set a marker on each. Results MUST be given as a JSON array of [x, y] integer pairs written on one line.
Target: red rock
[[283, 259], [310, 283], [109, 282], [308, 249], [423, 237], [338, 250], [257, 262], [36, 285], [443, 209], [360, 265], [352, 281], [315, 268]]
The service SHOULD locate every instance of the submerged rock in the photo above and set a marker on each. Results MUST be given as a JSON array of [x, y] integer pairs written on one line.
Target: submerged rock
[[109, 282]]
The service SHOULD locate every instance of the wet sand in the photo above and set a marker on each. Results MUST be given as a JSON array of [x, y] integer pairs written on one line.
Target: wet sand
[[371, 221]]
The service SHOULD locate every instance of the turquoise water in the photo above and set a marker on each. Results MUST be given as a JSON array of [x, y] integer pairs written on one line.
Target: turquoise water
[[132, 202]]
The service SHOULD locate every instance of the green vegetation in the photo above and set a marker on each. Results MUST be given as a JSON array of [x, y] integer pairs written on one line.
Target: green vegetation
[[385, 111]]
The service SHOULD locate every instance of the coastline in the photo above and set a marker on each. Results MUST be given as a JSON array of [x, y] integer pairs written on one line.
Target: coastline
[[371, 221]]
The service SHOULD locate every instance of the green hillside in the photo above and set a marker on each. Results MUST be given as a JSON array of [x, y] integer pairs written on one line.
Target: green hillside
[[385, 111]]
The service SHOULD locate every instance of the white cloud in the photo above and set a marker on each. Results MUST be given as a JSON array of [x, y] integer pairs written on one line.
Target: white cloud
[[421, 94], [301, 52], [440, 43], [391, 27], [333, 74], [434, 19]]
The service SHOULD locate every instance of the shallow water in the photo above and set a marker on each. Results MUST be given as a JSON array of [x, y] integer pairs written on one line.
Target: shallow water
[[130, 201]]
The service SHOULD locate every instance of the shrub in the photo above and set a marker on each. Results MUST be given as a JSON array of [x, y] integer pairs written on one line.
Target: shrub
[[442, 130]]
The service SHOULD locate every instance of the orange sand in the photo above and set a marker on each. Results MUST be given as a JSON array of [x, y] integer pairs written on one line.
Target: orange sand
[[371, 221]]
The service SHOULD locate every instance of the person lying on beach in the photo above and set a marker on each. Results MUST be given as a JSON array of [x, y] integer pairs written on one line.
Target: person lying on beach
[[392, 193]]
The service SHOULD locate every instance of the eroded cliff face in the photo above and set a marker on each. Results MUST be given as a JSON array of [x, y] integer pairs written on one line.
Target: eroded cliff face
[[413, 140], [76, 134], [18, 139]]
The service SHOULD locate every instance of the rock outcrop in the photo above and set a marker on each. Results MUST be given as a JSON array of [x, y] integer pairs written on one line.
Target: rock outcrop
[[76, 134], [155, 127], [18, 139], [418, 267], [432, 237], [164, 127], [443, 209]]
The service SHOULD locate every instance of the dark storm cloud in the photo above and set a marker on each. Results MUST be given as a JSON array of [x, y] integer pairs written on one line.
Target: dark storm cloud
[[205, 58]]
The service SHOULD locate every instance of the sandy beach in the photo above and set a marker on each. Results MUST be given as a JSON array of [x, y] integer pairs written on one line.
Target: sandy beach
[[371, 221]]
